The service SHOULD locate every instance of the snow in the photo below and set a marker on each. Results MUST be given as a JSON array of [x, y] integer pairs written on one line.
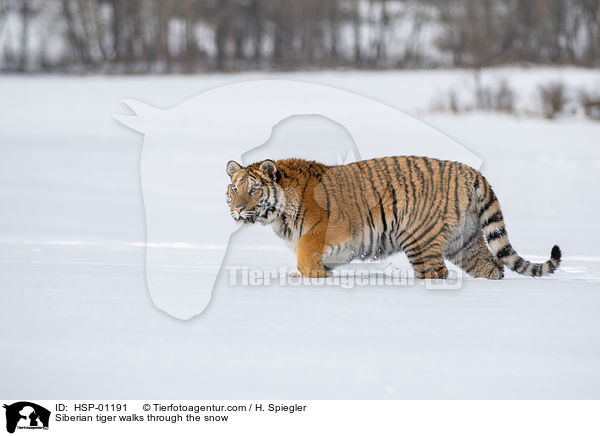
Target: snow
[[76, 320], [184, 147]]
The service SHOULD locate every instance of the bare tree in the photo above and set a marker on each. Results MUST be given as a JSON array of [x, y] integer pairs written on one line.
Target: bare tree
[[187, 35], [26, 13]]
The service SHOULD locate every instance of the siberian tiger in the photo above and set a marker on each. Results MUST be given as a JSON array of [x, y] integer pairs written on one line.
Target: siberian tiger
[[431, 209]]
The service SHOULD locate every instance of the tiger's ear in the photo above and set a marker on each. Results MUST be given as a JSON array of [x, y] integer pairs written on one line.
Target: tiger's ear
[[270, 169], [233, 167]]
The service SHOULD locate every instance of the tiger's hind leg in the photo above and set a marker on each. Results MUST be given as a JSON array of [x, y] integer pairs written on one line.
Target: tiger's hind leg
[[473, 256]]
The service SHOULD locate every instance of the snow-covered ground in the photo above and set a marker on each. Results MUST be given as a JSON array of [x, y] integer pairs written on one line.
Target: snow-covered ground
[[76, 320]]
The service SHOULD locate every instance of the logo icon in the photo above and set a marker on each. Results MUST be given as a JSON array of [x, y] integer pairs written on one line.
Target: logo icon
[[185, 147], [26, 415]]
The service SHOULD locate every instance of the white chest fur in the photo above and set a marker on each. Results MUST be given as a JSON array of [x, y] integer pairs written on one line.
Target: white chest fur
[[286, 226]]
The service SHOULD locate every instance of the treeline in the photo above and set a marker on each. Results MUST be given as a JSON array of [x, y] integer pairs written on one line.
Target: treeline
[[228, 35]]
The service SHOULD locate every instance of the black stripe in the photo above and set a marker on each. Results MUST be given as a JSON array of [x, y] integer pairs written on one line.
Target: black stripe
[[416, 229], [465, 245], [431, 191], [434, 238], [456, 200], [496, 234], [446, 194], [352, 189], [357, 170], [495, 218], [420, 256], [425, 160], [505, 251], [518, 264], [541, 271], [398, 231], [473, 266], [486, 186], [424, 244], [322, 182], [390, 185], [376, 192], [423, 195], [401, 173], [410, 179], [389, 192], [302, 196], [486, 206]]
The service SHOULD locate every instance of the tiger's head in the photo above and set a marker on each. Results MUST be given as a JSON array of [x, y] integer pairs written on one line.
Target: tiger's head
[[254, 194]]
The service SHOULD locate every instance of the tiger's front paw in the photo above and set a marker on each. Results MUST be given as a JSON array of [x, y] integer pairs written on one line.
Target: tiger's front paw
[[313, 272]]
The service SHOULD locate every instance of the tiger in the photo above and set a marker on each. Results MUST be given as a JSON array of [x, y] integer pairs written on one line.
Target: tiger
[[432, 210]]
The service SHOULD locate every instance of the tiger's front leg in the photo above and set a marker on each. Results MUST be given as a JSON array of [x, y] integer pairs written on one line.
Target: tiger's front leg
[[309, 254], [428, 260]]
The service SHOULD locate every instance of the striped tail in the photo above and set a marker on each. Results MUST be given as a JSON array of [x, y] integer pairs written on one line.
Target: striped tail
[[492, 224]]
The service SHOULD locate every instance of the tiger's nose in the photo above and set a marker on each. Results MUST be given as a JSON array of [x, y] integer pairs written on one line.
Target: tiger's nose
[[239, 207]]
